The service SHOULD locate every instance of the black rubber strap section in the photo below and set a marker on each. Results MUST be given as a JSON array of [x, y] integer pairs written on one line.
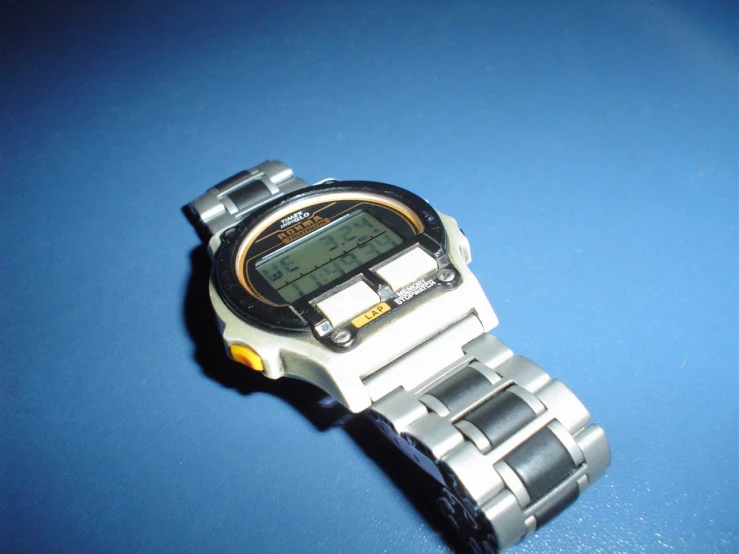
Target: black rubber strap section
[[542, 462], [501, 416], [249, 195], [545, 515], [456, 391]]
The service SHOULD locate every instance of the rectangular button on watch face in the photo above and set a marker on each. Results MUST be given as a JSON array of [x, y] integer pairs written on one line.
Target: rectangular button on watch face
[[407, 268], [348, 303]]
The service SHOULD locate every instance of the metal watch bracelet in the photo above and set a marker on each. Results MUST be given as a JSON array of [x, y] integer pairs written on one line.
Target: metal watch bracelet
[[510, 446], [224, 205]]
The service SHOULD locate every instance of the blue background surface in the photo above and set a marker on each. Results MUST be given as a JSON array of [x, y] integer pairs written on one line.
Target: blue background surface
[[589, 151]]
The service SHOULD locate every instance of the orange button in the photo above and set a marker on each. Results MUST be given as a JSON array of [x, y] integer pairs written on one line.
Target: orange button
[[246, 355]]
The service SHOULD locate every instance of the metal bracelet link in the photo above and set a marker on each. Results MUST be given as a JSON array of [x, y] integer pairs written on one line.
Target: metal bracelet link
[[224, 205], [511, 446]]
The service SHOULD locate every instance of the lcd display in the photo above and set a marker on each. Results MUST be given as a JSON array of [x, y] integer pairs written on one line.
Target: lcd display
[[326, 255]]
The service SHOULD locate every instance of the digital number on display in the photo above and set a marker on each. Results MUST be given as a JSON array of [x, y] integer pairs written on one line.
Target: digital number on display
[[327, 254]]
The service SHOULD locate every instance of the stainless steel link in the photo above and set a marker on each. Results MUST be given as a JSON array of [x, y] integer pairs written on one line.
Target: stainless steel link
[[224, 205], [511, 446]]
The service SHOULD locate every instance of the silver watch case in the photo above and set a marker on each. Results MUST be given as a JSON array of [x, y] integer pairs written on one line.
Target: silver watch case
[[346, 376]]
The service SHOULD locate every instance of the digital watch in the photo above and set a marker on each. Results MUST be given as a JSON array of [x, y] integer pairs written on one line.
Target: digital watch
[[363, 289]]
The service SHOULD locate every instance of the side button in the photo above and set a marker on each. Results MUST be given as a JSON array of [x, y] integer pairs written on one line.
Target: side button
[[246, 355]]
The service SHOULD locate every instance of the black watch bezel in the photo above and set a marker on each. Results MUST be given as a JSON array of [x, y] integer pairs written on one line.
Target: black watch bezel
[[300, 315]]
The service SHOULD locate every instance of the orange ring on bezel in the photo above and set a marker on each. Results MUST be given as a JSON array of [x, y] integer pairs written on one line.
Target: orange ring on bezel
[[255, 235]]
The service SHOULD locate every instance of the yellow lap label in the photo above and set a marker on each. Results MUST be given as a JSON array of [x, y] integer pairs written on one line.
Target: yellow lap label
[[370, 315]]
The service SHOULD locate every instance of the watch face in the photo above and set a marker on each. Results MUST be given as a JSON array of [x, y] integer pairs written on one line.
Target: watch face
[[327, 254], [280, 258]]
